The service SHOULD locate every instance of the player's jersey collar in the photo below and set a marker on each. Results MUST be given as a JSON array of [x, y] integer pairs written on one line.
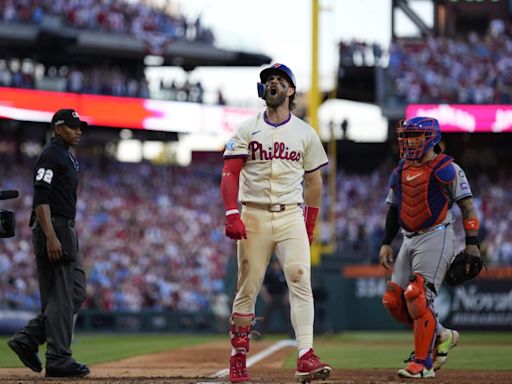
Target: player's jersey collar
[[275, 125]]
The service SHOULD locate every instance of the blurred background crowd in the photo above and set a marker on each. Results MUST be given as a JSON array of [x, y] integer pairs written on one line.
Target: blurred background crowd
[[152, 236]]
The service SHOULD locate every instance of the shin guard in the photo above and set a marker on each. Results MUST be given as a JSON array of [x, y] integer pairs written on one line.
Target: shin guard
[[241, 329]]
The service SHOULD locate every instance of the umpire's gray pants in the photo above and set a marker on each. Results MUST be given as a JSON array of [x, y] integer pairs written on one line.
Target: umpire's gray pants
[[62, 288]]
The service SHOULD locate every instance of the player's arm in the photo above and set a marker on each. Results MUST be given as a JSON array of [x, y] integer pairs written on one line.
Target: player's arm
[[235, 228], [392, 225], [471, 225], [391, 229], [43, 183], [313, 187]]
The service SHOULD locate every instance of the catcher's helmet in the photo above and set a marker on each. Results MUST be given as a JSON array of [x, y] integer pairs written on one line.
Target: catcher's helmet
[[280, 69], [417, 135]]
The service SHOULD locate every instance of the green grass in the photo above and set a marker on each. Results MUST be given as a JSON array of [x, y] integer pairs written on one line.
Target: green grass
[[98, 348], [476, 350]]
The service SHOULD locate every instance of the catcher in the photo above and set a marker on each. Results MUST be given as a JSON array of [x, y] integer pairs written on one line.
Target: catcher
[[423, 188]]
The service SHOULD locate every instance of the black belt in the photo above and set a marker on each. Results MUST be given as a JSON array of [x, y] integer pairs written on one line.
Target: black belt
[[270, 207], [63, 219], [423, 231]]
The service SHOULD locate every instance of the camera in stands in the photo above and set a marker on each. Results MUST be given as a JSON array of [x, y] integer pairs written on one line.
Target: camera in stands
[[7, 219]]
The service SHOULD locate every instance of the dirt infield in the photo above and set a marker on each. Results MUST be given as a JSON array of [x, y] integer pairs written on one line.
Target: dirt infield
[[197, 364]]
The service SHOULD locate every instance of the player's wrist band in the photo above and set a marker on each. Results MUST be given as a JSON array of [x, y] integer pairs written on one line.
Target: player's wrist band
[[471, 224], [232, 212], [472, 240]]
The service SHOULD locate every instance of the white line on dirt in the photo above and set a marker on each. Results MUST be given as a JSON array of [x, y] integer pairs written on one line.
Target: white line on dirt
[[258, 357]]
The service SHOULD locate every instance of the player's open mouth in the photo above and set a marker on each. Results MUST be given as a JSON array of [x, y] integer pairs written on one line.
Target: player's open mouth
[[273, 91]]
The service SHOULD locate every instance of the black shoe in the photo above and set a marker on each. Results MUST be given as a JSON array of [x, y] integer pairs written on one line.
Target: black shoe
[[27, 355], [75, 369]]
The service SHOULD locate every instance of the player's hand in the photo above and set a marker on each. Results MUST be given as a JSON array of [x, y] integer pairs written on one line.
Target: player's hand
[[472, 250], [235, 227], [386, 256]]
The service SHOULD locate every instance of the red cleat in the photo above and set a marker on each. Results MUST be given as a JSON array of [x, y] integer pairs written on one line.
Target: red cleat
[[309, 367], [237, 369]]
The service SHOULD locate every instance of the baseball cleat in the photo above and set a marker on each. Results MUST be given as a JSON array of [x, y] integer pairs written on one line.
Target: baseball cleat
[[237, 369], [416, 370], [441, 348], [309, 367]]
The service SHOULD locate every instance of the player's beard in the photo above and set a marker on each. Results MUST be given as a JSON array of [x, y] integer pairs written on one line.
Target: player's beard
[[274, 101]]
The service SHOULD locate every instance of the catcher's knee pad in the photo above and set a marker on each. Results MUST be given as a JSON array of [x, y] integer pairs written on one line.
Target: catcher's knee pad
[[424, 336], [394, 302], [416, 296], [241, 329]]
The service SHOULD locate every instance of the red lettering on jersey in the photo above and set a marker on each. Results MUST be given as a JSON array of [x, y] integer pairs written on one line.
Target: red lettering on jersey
[[280, 151]]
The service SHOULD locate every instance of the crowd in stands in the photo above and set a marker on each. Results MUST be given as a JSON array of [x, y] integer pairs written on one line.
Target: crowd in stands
[[471, 69], [360, 53], [98, 80], [156, 26], [153, 236]]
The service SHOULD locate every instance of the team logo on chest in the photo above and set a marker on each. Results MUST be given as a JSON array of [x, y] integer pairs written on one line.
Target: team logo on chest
[[278, 151]]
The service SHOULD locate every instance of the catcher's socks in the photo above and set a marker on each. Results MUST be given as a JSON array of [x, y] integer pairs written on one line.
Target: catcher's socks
[[309, 367], [416, 370], [442, 347], [237, 369]]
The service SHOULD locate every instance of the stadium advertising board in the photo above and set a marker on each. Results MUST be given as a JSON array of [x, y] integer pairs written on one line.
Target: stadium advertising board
[[123, 112], [465, 117]]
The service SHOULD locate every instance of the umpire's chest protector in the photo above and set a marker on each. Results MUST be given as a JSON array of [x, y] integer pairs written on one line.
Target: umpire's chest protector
[[421, 193]]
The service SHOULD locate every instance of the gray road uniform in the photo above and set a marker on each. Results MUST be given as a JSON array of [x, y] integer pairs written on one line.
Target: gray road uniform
[[429, 251]]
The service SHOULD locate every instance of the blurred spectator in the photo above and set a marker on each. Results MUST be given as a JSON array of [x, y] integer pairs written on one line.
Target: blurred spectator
[[156, 25], [468, 69]]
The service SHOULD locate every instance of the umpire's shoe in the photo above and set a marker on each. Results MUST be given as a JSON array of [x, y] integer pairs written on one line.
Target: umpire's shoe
[[27, 355], [75, 369]]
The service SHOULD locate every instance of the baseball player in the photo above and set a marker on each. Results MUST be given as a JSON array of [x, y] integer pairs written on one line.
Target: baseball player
[[423, 188], [265, 164]]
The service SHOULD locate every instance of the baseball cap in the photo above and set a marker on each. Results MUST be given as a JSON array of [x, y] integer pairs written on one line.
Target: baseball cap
[[68, 117], [280, 69]]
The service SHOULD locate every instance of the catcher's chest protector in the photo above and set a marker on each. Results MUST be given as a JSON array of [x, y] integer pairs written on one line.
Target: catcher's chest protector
[[422, 201]]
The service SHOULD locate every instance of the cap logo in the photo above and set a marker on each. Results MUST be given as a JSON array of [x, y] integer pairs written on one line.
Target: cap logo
[[276, 65], [59, 122], [75, 115]]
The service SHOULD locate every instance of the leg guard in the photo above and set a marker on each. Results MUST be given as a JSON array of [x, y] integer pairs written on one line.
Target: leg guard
[[394, 302], [241, 329], [425, 322]]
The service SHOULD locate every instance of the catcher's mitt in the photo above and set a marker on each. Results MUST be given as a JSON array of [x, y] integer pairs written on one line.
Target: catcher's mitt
[[464, 267]]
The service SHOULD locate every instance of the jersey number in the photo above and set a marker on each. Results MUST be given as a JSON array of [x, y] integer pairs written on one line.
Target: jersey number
[[44, 174]]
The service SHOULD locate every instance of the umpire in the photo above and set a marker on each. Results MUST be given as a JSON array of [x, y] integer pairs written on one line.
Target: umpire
[[59, 265]]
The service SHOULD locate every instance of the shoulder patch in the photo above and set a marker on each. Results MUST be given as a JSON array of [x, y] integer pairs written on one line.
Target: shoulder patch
[[446, 173], [231, 145]]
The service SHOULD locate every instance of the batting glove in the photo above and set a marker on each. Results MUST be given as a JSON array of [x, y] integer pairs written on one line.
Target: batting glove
[[235, 227]]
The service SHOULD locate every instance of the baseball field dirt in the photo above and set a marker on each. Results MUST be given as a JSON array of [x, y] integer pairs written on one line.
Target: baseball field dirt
[[198, 364]]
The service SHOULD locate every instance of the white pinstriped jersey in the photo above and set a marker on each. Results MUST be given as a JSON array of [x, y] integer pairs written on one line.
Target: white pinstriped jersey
[[276, 158]]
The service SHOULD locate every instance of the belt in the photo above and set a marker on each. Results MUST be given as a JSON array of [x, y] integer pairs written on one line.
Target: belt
[[271, 207], [423, 231], [63, 219]]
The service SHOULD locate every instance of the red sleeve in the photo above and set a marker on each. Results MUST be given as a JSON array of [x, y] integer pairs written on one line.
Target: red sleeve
[[229, 182]]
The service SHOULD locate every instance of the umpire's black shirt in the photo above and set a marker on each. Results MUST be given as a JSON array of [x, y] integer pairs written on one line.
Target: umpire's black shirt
[[56, 179]]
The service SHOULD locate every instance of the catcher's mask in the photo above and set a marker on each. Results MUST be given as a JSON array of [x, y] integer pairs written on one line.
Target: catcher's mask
[[417, 135], [280, 69]]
